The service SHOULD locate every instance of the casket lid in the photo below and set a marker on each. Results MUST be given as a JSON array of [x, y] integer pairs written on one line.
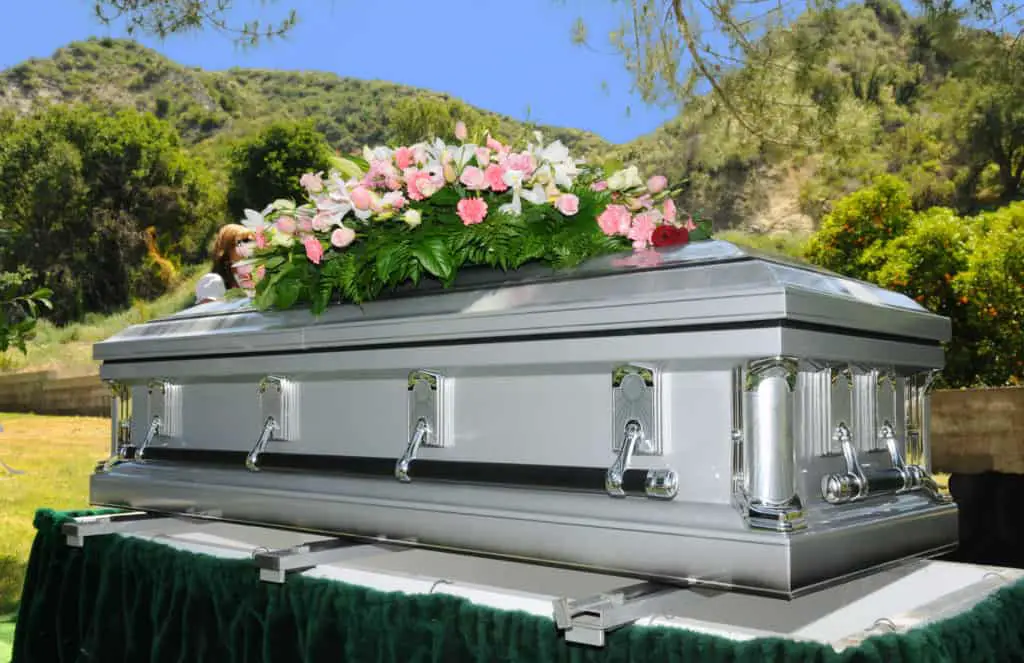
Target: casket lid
[[698, 284]]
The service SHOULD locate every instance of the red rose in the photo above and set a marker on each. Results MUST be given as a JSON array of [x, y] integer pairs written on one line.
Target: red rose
[[667, 235]]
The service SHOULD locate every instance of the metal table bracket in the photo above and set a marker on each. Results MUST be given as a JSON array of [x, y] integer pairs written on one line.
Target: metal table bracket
[[119, 523], [586, 621], [275, 565]]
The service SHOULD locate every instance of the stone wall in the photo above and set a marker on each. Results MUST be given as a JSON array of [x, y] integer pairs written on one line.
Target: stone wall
[[978, 430], [45, 392]]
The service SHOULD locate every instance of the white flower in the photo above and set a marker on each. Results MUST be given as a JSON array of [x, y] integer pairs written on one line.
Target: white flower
[[625, 179], [555, 152], [256, 220], [412, 218], [537, 195]]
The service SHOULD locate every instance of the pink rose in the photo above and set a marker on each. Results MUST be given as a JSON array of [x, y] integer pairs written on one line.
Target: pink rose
[[342, 237], [460, 130], [286, 225], [403, 157], [361, 198], [641, 230], [657, 184], [473, 178], [568, 204], [472, 210], [322, 221], [599, 186], [668, 210], [314, 250], [311, 182], [614, 220], [483, 156], [495, 176], [394, 200], [421, 184]]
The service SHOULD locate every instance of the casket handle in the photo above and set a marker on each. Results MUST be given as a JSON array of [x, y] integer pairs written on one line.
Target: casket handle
[[659, 483], [857, 484], [419, 433], [252, 460]]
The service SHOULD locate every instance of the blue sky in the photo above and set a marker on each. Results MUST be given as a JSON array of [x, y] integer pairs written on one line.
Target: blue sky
[[509, 56]]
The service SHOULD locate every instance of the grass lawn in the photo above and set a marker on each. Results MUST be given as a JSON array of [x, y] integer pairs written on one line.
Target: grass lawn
[[57, 455]]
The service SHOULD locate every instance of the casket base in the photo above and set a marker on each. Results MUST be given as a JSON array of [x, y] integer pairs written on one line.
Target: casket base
[[689, 544]]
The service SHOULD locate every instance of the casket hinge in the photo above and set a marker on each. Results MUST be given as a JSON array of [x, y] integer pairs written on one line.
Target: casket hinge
[[661, 483], [858, 484]]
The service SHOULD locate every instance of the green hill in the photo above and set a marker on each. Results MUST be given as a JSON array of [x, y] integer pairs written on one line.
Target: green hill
[[902, 88]]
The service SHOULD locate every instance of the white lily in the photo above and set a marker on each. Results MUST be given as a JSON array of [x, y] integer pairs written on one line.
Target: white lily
[[256, 220], [514, 179], [555, 153], [537, 195]]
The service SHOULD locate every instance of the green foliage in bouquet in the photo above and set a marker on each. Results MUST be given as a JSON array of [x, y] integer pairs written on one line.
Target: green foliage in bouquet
[[399, 215]]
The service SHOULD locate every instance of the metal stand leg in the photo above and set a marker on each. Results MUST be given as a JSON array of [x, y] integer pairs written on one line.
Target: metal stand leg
[[275, 565], [586, 621], [122, 523]]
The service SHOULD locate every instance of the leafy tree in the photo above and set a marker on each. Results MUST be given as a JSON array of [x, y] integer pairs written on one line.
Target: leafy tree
[[268, 165], [79, 187]]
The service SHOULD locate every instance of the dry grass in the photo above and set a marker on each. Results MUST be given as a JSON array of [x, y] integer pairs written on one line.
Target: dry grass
[[57, 455]]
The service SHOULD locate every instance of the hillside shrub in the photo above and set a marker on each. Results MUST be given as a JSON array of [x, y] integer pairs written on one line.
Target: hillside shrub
[[846, 241]]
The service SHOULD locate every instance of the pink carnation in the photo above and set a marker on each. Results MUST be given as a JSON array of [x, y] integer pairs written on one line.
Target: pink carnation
[[473, 178], [614, 220], [403, 157], [472, 210], [495, 176], [568, 204], [657, 184], [522, 162], [342, 237], [314, 250], [641, 230]]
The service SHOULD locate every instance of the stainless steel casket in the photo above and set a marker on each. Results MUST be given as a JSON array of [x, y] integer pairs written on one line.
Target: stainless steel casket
[[722, 418]]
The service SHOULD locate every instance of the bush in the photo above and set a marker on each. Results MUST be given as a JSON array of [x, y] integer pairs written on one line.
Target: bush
[[846, 241], [925, 264], [991, 290]]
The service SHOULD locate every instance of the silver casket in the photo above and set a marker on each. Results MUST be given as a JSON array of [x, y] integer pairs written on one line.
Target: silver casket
[[723, 418]]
